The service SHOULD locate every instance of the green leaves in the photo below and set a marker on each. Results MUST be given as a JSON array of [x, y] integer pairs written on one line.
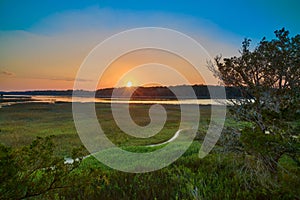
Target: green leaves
[[33, 170]]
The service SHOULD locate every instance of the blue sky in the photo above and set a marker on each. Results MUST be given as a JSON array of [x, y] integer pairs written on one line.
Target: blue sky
[[43, 43], [246, 18]]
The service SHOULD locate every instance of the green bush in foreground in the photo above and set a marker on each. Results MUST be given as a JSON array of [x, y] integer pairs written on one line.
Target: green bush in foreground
[[34, 172]]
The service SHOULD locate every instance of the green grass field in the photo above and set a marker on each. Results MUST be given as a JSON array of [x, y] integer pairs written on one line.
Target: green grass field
[[20, 124], [218, 176]]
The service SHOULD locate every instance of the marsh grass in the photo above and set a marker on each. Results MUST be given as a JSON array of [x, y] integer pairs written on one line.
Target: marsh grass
[[220, 175], [20, 124]]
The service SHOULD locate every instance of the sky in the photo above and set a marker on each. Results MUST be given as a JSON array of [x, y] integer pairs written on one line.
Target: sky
[[44, 43]]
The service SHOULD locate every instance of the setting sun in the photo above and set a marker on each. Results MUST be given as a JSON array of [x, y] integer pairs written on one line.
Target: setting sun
[[129, 84]]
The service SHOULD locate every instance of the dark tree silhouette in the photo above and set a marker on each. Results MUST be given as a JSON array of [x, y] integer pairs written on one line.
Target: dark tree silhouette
[[269, 80]]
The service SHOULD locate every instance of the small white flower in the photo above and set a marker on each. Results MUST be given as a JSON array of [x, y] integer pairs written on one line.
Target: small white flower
[[267, 132]]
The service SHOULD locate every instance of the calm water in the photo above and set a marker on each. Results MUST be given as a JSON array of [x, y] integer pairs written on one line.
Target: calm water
[[102, 100], [9, 100]]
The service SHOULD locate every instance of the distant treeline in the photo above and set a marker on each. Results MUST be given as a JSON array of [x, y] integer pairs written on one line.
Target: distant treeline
[[201, 91]]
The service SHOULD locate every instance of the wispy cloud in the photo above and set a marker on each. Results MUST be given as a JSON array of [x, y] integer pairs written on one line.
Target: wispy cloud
[[6, 73], [68, 79]]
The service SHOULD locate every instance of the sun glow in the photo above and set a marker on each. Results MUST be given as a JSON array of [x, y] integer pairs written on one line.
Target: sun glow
[[129, 84]]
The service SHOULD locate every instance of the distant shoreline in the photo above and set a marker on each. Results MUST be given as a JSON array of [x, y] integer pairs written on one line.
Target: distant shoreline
[[140, 93]]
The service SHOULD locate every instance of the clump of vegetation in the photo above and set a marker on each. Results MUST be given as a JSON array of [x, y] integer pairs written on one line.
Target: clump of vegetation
[[35, 172], [269, 80]]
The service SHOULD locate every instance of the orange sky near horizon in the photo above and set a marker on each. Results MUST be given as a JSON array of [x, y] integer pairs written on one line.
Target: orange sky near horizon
[[46, 68], [147, 67], [143, 67]]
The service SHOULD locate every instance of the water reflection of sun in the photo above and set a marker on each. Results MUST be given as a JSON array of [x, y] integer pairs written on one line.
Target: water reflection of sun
[[129, 84]]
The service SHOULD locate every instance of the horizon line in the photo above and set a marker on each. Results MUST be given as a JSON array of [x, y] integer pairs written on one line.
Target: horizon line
[[42, 90]]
